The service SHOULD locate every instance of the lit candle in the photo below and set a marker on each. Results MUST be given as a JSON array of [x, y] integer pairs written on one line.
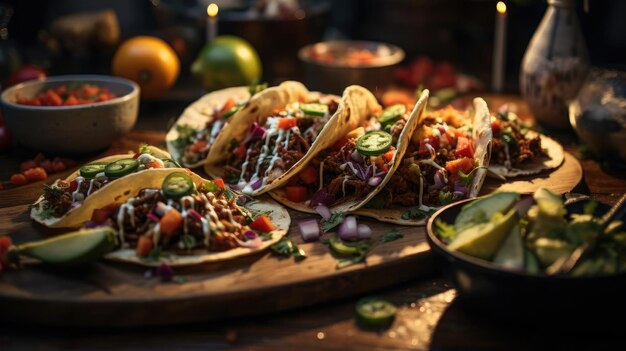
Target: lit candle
[[499, 48], [211, 24]]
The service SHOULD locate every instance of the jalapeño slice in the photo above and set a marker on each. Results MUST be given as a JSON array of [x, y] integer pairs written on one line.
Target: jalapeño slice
[[342, 248], [392, 114], [375, 312], [121, 167], [231, 111], [92, 169], [314, 109], [374, 143], [177, 185]]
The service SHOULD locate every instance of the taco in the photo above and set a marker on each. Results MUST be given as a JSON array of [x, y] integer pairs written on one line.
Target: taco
[[69, 202], [519, 151], [175, 217], [445, 161], [191, 137], [345, 175], [275, 133]]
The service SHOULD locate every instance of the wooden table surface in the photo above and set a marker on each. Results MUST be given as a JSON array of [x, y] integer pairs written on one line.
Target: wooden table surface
[[430, 316]]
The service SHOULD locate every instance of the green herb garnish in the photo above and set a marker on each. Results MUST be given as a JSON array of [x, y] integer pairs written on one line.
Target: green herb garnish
[[286, 247], [417, 213], [391, 235], [334, 220], [445, 230]]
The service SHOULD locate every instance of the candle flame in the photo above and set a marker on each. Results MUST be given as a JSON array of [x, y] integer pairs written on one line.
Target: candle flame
[[501, 7], [212, 10]]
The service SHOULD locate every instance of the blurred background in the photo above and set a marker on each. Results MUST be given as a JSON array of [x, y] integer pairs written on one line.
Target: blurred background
[[443, 38]]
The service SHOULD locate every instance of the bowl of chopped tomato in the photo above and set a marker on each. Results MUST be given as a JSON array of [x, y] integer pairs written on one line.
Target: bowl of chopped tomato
[[71, 114], [330, 66]]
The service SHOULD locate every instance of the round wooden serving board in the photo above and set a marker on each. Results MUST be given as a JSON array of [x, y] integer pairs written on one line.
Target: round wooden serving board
[[114, 294]]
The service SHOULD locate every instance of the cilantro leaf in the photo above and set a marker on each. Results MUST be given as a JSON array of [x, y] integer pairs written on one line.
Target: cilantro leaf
[[334, 220], [393, 234], [417, 213], [590, 207], [286, 247]]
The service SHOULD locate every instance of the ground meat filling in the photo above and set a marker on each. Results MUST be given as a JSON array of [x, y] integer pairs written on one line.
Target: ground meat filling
[[149, 204], [63, 196], [521, 150]]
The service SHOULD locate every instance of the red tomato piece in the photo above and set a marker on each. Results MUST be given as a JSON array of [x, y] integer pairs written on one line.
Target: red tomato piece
[[39, 158], [464, 147], [219, 182], [5, 243], [263, 224], [100, 215], [46, 165], [240, 151], [464, 165], [287, 122], [340, 143], [58, 166], [308, 175], [18, 179], [496, 125], [144, 246], [170, 222], [230, 103], [388, 156], [199, 146], [27, 165], [35, 174], [297, 193]]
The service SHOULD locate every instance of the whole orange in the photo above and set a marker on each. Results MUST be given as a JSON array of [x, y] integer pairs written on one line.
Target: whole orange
[[150, 62]]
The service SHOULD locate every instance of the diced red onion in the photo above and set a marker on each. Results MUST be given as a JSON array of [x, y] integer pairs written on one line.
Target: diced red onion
[[374, 181], [251, 244], [321, 198], [153, 217], [309, 230], [161, 208], [439, 183], [348, 229], [460, 188], [257, 131], [458, 193], [257, 184], [194, 214], [363, 231], [250, 235], [323, 211], [90, 224], [360, 171], [432, 151], [165, 272], [356, 156]]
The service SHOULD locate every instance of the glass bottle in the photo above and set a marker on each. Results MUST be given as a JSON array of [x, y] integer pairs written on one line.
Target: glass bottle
[[554, 65]]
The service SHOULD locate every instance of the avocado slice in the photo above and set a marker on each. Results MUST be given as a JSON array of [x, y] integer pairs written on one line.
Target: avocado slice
[[549, 250], [511, 253], [72, 248], [531, 263], [550, 204], [482, 209], [484, 240]]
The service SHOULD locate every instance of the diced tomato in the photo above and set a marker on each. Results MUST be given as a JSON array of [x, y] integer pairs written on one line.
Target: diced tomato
[[381, 165], [464, 147], [100, 215], [297, 193], [144, 246], [219, 182], [287, 122], [340, 143], [27, 165], [71, 100], [5, 243], [154, 164], [308, 175], [464, 165], [66, 161], [423, 151], [170, 222], [496, 125], [433, 141], [388, 156], [46, 165], [199, 146], [73, 186], [240, 151], [58, 166], [263, 224], [230, 103], [18, 179], [53, 99], [35, 174]]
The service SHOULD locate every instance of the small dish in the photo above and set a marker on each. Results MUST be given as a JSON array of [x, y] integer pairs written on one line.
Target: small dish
[[487, 287], [71, 129]]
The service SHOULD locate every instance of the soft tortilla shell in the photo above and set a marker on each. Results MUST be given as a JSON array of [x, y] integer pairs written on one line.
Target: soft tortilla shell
[[553, 160], [278, 214], [481, 134], [262, 105], [199, 113], [115, 191], [359, 99]]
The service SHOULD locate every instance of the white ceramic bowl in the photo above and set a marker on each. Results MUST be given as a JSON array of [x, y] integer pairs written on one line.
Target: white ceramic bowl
[[71, 129]]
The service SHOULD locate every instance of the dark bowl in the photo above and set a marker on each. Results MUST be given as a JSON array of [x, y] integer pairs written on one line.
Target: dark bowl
[[485, 287]]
